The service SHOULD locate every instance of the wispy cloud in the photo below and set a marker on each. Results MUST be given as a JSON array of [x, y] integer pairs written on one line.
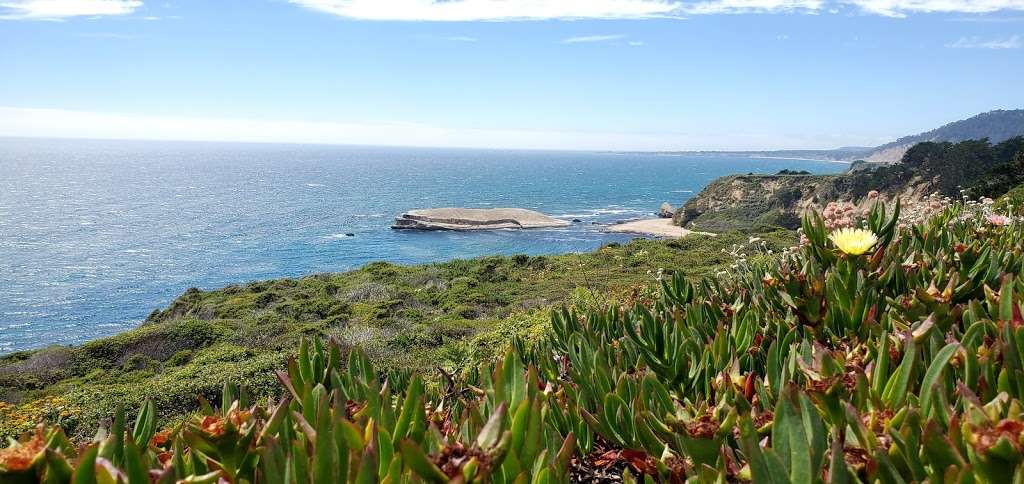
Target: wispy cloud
[[64, 9], [637, 43], [712, 7], [900, 8], [1013, 42], [592, 38], [461, 38], [512, 10], [493, 10]]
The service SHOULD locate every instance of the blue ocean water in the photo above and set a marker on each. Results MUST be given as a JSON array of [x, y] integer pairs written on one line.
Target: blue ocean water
[[94, 235]]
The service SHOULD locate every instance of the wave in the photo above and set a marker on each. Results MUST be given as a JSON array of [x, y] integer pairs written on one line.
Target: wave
[[602, 212]]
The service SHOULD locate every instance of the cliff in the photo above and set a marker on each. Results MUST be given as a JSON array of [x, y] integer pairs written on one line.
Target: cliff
[[750, 201], [747, 202]]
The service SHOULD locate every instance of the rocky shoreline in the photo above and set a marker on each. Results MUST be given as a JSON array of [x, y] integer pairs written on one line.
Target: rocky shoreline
[[453, 218]]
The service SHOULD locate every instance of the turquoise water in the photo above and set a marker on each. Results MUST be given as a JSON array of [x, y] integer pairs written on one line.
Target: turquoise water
[[94, 235]]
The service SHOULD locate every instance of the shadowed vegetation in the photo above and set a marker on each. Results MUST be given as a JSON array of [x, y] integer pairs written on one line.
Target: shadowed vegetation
[[451, 314]]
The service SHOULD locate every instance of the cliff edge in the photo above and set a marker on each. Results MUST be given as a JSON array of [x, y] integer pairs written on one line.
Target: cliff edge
[[975, 167]]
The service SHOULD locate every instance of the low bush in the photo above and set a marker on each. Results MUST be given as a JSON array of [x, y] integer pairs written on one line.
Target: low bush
[[437, 301], [876, 354]]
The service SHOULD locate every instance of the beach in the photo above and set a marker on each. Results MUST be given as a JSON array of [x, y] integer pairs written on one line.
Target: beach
[[659, 227]]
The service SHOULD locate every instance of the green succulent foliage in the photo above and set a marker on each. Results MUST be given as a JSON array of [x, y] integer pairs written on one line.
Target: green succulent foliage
[[905, 364]]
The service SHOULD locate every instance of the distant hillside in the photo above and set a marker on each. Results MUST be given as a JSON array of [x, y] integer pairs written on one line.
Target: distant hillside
[[997, 126], [838, 154]]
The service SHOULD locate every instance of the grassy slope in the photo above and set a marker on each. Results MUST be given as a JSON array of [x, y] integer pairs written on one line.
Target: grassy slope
[[448, 314]]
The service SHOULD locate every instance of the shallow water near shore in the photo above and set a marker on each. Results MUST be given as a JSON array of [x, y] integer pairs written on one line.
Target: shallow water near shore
[[94, 235]]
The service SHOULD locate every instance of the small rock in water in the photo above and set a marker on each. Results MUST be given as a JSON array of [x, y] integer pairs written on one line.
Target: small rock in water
[[666, 210], [350, 234], [576, 220]]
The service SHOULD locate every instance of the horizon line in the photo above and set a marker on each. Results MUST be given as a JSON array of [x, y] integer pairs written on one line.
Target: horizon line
[[428, 147]]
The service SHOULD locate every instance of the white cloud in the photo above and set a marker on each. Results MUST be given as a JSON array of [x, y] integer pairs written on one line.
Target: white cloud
[[63, 9], [900, 8], [592, 38], [60, 123], [461, 38], [711, 7], [508, 10], [637, 43], [493, 10], [1013, 42]]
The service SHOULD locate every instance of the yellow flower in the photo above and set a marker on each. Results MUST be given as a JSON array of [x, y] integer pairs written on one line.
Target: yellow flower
[[853, 241]]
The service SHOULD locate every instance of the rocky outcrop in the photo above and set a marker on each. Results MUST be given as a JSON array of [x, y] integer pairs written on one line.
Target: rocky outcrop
[[888, 154], [666, 210], [475, 219], [973, 167], [747, 201]]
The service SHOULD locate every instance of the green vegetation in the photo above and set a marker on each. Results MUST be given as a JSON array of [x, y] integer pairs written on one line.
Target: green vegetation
[[450, 315], [757, 202], [976, 168], [902, 362], [1005, 175], [982, 168]]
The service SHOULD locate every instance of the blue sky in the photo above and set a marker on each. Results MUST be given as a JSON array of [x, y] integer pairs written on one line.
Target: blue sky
[[572, 74]]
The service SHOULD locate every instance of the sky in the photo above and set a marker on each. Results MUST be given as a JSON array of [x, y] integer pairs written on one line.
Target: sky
[[535, 74]]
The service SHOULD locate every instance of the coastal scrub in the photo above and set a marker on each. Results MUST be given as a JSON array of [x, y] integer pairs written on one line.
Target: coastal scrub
[[799, 369], [451, 314]]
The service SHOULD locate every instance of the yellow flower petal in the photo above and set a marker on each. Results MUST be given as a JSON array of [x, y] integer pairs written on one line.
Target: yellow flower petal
[[853, 241]]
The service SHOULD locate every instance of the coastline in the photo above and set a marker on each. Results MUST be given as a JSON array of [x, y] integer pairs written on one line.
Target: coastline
[[823, 160], [658, 227]]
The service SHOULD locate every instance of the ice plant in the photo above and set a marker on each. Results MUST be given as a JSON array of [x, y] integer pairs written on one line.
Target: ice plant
[[21, 456], [853, 241], [995, 219], [826, 370]]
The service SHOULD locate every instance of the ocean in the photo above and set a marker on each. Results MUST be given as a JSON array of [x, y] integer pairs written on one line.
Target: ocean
[[94, 235]]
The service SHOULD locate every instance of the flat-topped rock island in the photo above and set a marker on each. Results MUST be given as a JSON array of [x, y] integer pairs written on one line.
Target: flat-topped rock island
[[452, 218]]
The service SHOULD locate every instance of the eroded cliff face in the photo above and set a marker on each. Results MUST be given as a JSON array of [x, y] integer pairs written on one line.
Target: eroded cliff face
[[747, 202]]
